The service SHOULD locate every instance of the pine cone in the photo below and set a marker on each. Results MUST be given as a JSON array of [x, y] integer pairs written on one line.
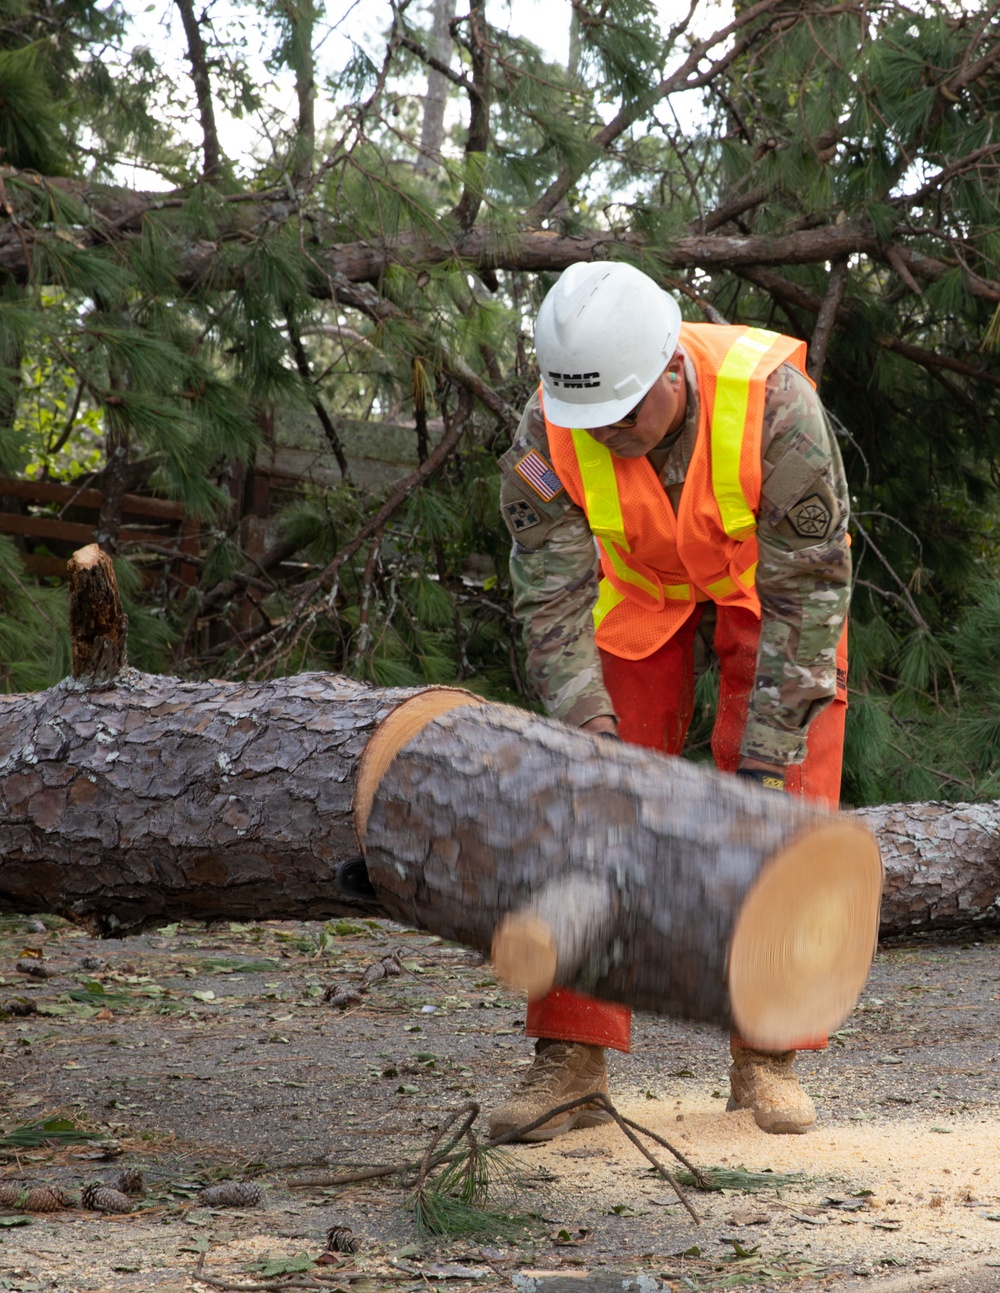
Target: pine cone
[[44, 1198], [234, 1194], [11, 1194], [19, 1006], [34, 970], [388, 967], [102, 1198], [350, 997], [130, 1181], [341, 1239]]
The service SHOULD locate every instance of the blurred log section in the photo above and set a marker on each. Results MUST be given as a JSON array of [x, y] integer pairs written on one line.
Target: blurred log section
[[605, 868]]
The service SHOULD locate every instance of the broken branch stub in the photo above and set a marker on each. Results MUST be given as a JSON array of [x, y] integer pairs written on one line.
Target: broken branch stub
[[98, 625]]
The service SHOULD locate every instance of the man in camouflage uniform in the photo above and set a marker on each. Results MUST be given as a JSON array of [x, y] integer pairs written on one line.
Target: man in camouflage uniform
[[803, 585]]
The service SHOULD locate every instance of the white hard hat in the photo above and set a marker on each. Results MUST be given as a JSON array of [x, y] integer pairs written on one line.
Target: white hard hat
[[604, 334]]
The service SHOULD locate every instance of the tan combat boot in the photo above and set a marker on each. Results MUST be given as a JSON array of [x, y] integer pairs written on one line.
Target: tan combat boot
[[561, 1071], [766, 1084]]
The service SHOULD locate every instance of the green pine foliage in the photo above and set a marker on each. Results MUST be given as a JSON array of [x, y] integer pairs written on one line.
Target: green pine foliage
[[34, 628], [177, 337], [464, 1199]]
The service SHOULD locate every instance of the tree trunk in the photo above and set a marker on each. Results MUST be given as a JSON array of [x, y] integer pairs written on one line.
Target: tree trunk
[[301, 17], [151, 800], [666, 886], [198, 58], [128, 800], [66, 807], [616, 871], [432, 124]]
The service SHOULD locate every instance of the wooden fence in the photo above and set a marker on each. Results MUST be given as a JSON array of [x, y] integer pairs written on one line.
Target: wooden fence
[[54, 519]]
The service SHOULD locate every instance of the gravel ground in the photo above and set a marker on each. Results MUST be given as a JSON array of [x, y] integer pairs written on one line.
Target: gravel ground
[[204, 1055]]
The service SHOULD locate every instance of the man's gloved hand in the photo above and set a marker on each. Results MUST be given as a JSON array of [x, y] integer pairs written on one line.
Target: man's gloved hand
[[765, 777]]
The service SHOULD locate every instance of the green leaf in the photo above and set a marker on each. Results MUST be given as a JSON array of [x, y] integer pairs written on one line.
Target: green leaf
[[60, 1131], [283, 1265]]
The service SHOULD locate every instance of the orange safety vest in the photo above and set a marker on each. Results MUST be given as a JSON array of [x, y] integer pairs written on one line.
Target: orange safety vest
[[657, 565]]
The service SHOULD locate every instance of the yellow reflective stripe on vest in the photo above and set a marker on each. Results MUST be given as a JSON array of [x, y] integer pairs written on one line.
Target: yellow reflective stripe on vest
[[732, 395], [726, 586], [604, 509], [600, 488], [608, 597], [723, 587], [629, 576]]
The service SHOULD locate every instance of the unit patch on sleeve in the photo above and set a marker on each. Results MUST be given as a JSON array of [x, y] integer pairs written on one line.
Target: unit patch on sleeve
[[536, 472], [810, 517], [522, 515]]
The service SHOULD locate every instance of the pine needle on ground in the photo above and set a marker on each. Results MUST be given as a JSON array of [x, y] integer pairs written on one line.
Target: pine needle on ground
[[738, 1178]]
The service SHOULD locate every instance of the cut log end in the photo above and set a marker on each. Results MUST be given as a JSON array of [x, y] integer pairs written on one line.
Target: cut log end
[[803, 942], [549, 941], [525, 954], [396, 730]]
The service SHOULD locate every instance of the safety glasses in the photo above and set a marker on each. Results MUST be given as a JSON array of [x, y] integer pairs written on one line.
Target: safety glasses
[[632, 417]]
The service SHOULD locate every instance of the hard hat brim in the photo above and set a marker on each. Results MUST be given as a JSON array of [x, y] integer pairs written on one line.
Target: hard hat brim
[[563, 413]]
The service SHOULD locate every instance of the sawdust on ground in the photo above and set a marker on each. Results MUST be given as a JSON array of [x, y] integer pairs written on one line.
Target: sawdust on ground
[[213, 1054]]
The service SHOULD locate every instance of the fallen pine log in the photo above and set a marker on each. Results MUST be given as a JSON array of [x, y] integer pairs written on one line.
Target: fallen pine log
[[942, 865], [128, 806], [651, 881], [129, 800]]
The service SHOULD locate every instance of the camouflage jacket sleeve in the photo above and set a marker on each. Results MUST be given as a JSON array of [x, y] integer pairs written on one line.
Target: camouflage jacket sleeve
[[554, 570], [804, 574]]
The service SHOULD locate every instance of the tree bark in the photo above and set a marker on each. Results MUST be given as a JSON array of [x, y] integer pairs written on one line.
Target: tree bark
[[478, 137], [151, 800], [942, 865], [641, 879], [825, 321], [114, 484], [143, 801], [135, 802], [301, 18]]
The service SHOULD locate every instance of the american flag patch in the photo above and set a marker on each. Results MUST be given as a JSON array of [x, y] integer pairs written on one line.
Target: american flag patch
[[535, 471]]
